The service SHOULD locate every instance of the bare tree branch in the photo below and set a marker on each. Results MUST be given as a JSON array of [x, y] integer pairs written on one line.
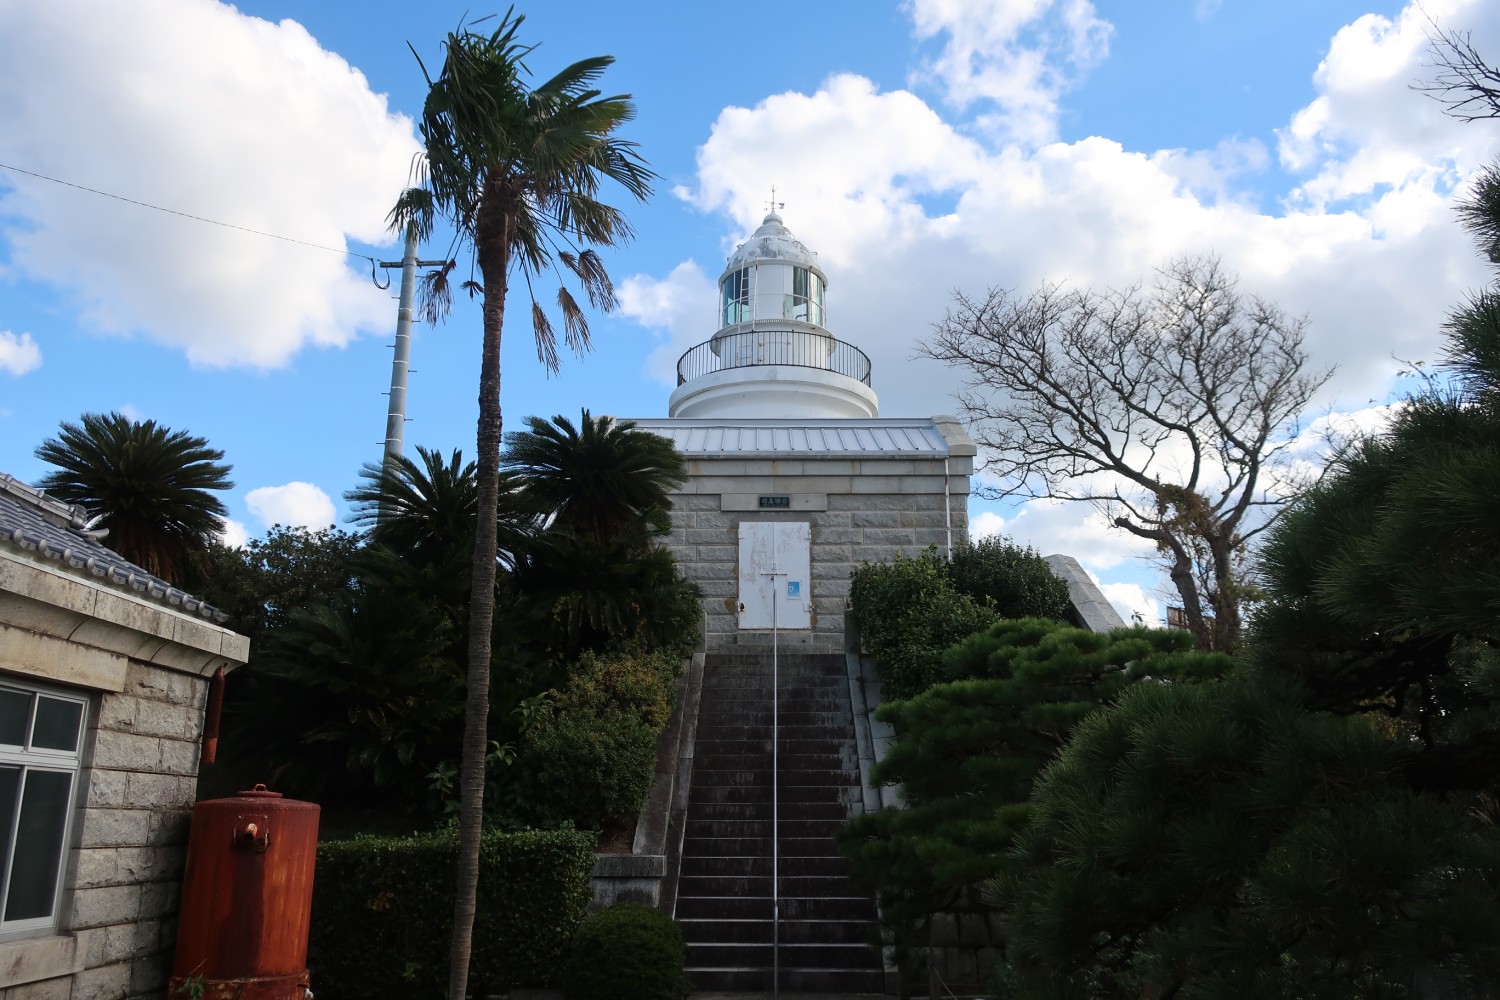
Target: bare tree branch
[[1466, 86], [1168, 408]]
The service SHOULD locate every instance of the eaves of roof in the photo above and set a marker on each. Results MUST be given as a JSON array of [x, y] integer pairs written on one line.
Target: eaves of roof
[[869, 438], [32, 521]]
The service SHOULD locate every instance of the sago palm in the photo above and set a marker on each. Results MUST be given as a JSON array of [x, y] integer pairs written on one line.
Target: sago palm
[[152, 488], [517, 170], [595, 479]]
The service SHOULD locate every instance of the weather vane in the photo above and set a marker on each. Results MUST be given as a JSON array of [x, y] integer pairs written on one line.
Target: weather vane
[[775, 206]]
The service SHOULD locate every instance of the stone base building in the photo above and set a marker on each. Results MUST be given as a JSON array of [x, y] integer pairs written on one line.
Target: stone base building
[[104, 674], [841, 495]]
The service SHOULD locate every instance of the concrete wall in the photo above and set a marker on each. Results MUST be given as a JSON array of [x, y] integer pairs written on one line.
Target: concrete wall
[[863, 510]]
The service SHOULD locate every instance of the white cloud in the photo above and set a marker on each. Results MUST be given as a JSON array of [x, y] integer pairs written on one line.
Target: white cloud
[[1374, 276], [296, 504], [233, 534], [1069, 528], [190, 105], [1020, 54], [1133, 603], [1366, 247], [681, 307], [1367, 134], [19, 354]]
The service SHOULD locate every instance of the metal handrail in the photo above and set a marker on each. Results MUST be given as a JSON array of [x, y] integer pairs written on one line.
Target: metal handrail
[[754, 348]]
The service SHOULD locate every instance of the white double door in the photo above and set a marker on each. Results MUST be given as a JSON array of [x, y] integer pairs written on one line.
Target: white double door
[[775, 574]]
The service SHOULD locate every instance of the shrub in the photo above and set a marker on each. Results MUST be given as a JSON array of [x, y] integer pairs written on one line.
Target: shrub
[[1015, 580], [968, 752], [593, 757], [627, 952], [908, 612], [382, 907]]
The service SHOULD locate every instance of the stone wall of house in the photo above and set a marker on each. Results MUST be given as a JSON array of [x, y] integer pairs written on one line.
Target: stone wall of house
[[123, 885], [864, 510]]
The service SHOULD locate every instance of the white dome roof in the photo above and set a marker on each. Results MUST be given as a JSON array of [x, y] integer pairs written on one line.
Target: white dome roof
[[773, 241]]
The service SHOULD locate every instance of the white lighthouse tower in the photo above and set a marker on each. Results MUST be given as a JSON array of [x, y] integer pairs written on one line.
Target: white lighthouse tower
[[773, 355], [794, 477]]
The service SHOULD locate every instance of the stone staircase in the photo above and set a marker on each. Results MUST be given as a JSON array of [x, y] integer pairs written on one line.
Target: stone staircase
[[724, 888]]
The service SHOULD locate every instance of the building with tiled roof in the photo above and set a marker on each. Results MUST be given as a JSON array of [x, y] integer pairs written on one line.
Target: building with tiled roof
[[105, 672]]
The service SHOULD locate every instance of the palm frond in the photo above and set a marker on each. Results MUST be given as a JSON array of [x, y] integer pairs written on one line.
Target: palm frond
[[546, 338], [435, 296], [413, 206], [575, 323]]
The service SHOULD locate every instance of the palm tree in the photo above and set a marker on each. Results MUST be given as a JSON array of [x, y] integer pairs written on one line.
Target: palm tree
[[595, 479], [148, 484], [517, 170], [428, 511]]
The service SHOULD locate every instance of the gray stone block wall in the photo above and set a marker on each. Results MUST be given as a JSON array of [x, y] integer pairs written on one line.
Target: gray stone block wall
[[124, 882], [873, 510]]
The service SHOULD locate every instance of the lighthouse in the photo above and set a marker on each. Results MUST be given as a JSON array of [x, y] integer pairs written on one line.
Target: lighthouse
[[794, 477]]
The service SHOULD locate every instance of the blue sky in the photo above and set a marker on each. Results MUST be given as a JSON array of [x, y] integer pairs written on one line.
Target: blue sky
[[920, 147]]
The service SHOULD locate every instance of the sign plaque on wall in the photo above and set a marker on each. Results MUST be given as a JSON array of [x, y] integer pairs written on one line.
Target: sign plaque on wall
[[776, 503]]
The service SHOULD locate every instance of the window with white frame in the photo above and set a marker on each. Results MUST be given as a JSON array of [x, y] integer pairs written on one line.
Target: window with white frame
[[736, 296], [41, 736]]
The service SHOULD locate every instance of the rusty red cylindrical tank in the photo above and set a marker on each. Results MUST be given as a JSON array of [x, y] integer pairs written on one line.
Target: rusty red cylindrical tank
[[247, 899]]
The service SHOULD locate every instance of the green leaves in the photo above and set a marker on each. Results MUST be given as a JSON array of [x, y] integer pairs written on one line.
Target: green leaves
[[969, 750], [380, 902], [152, 488]]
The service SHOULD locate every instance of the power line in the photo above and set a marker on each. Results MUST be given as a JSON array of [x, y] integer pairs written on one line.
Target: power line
[[186, 215]]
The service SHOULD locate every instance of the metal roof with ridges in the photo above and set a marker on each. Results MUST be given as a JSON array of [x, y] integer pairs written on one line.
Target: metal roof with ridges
[[872, 438], [32, 521]]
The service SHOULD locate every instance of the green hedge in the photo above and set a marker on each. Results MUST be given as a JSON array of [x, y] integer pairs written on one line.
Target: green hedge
[[592, 756], [627, 952], [1013, 579], [908, 613], [383, 910]]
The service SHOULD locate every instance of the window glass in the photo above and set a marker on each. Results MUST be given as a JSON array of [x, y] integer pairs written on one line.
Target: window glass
[[15, 710], [39, 844], [56, 724], [737, 296], [10, 785], [41, 732], [806, 301]]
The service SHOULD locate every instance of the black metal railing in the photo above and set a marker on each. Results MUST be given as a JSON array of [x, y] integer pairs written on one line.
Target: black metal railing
[[754, 348]]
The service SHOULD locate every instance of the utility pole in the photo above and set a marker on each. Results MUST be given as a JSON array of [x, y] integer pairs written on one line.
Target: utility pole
[[395, 421]]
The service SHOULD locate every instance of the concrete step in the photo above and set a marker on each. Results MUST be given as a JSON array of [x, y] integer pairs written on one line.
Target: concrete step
[[759, 908], [694, 866], [759, 865], [792, 931], [757, 882], [725, 879], [736, 728], [747, 980], [793, 956], [735, 886], [711, 717], [808, 847], [725, 847], [793, 774], [735, 685], [792, 771], [805, 819], [796, 762], [820, 793]]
